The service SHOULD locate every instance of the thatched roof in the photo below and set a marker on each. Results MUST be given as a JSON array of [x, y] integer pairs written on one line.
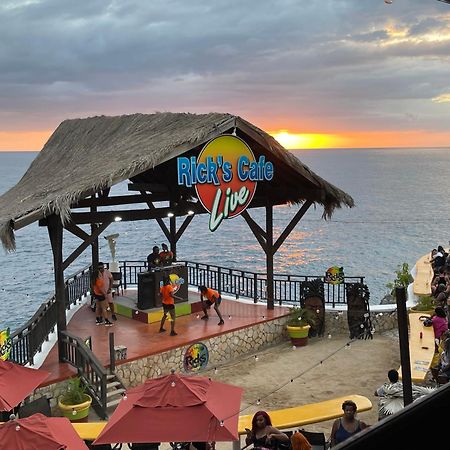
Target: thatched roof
[[85, 156]]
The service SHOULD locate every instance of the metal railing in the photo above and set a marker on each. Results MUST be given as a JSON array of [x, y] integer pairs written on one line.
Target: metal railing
[[28, 339], [288, 289], [90, 370]]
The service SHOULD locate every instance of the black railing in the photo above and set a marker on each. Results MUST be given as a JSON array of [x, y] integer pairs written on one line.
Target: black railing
[[28, 339], [288, 289], [90, 370]]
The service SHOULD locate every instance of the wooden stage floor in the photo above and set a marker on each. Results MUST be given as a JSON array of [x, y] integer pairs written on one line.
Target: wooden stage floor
[[143, 339]]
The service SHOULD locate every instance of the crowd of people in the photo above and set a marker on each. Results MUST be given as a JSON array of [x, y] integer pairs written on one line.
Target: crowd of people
[[440, 290]]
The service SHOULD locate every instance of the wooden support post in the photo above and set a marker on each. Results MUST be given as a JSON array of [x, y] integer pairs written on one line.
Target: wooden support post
[[269, 256], [112, 353], [402, 319], [173, 233], [55, 231], [94, 244]]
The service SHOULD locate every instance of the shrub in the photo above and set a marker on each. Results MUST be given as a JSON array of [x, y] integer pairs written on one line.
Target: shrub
[[403, 279], [299, 317], [425, 303], [75, 392]]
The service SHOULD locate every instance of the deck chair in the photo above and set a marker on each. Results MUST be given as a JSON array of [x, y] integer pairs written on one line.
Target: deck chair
[[317, 440], [40, 405]]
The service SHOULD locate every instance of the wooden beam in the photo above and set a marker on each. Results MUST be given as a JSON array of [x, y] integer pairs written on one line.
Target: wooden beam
[[269, 257], [294, 221], [120, 200], [183, 227], [149, 187], [161, 223], [77, 231], [127, 215], [256, 230], [55, 232], [91, 239]]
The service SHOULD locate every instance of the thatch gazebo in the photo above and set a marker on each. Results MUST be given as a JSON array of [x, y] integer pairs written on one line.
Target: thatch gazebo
[[84, 158]]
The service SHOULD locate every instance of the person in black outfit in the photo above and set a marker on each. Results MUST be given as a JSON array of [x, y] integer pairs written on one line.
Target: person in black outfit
[[154, 260]]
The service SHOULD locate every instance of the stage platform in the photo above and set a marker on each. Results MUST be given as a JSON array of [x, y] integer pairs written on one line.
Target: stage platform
[[143, 339], [126, 305]]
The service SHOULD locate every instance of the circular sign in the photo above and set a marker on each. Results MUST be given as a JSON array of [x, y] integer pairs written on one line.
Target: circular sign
[[234, 159], [196, 357]]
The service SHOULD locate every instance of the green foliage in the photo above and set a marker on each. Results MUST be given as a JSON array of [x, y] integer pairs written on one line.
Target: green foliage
[[404, 278], [425, 303], [299, 317], [75, 392]]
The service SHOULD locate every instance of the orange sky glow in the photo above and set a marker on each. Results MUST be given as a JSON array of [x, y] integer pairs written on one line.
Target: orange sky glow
[[35, 140]]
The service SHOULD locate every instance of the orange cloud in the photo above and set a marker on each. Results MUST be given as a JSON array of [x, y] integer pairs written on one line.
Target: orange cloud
[[23, 140]]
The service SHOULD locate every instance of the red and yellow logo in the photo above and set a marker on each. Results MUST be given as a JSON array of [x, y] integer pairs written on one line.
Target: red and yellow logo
[[225, 177]]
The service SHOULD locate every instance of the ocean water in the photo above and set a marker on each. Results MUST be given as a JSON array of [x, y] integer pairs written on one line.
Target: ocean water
[[401, 213]]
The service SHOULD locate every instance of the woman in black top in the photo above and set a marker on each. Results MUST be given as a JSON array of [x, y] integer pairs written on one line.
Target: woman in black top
[[263, 434]]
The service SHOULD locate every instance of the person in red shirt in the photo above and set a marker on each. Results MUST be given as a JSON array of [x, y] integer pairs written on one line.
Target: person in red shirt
[[166, 291], [212, 298]]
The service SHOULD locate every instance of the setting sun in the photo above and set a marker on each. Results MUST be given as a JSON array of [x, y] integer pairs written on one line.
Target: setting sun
[[306, 140]]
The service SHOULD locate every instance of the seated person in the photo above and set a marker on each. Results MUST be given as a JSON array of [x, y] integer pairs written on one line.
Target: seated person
[[166, 256], [346, 426], [439, 320], [444, 363], [154, 260], [263, 434]]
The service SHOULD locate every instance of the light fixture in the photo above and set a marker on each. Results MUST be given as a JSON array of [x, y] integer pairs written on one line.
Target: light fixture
[[190, 212], [117, 219], [170, 214]]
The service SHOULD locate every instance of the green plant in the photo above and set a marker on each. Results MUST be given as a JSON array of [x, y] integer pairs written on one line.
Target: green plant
[[425, 303], [75, 392], [403, 279], [299, 317]]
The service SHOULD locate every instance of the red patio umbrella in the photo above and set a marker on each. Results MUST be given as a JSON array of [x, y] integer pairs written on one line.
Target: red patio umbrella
[[17, 382], [175, 408], [40, 432]]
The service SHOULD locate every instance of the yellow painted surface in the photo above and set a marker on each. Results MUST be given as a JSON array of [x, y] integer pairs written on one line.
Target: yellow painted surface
[[424, 276], [89, 430], [306, 414], [421, 350], [281, 418]]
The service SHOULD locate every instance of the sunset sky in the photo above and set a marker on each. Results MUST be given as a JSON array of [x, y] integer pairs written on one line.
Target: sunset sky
[[314, 73]]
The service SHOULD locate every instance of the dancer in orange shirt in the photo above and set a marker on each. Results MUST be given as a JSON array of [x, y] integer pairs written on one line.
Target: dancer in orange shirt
[[168, 302], [212, 298]]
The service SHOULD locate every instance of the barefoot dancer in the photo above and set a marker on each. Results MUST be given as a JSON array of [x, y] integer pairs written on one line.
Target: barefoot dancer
[[213, 298]]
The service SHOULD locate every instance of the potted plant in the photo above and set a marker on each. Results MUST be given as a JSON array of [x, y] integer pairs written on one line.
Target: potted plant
[[425, 305], [298, 325], [74, 402]]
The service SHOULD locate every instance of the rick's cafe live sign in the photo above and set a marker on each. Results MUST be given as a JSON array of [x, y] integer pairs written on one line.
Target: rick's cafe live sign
[[225, 175]]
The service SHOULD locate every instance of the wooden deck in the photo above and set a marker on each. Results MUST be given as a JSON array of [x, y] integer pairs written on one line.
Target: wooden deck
[[143, 339]]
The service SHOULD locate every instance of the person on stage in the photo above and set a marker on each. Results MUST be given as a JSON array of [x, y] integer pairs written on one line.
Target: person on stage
[[166, 256], [212, 298], [168, 302], [154, 260]]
